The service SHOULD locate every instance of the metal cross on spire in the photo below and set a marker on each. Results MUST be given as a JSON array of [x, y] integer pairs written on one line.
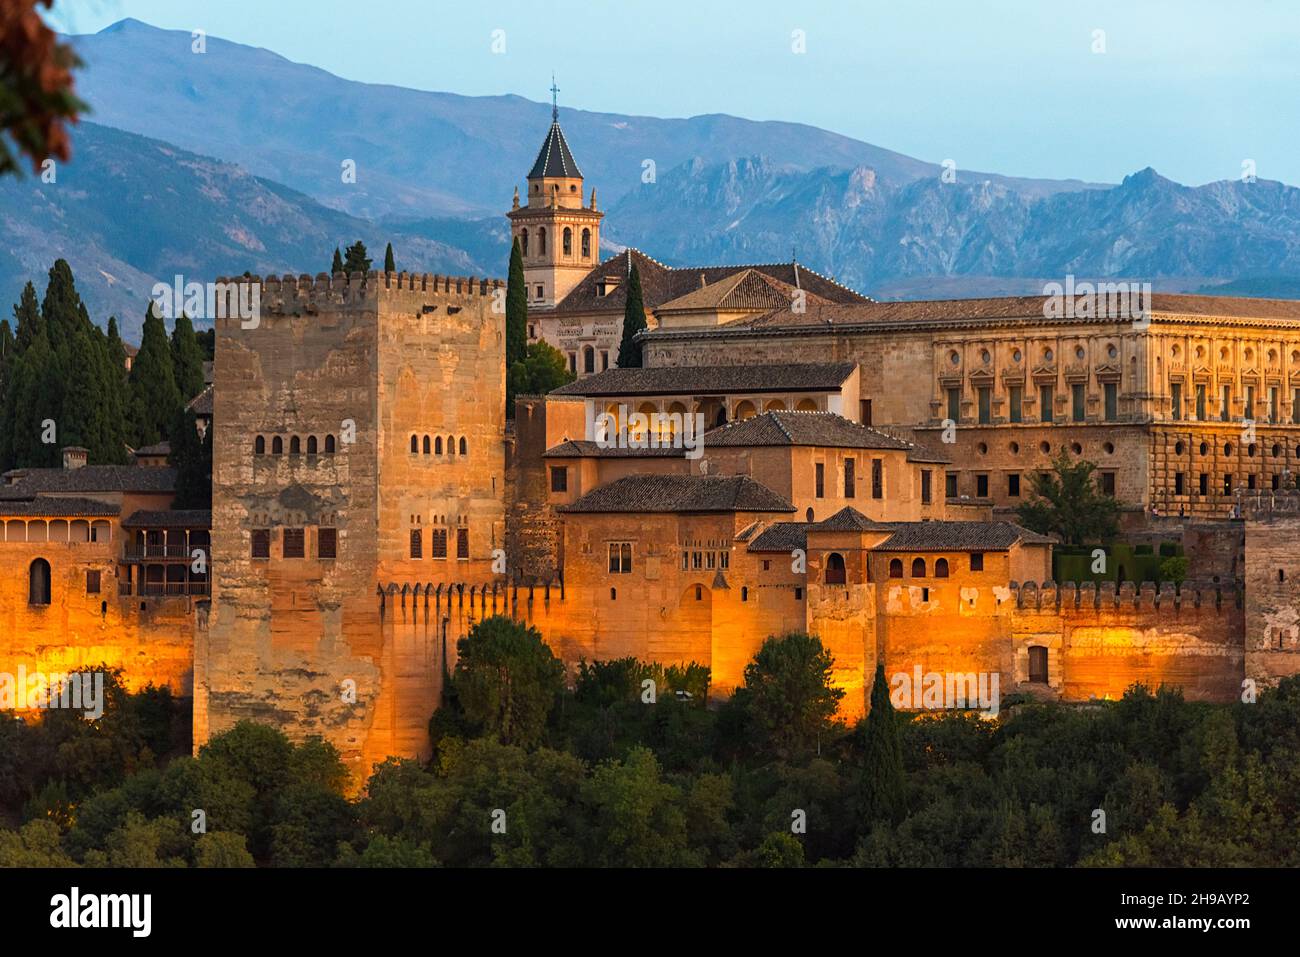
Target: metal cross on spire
[[555, 103]]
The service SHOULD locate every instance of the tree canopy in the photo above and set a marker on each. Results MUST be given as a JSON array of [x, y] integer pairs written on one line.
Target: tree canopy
[[1065, 501]]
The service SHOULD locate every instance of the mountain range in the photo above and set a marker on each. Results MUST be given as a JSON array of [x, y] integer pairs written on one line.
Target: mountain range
[[208, 164]]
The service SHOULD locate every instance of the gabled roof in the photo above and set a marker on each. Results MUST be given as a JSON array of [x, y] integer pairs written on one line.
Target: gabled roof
[[661, 284], [27, 483], [960, 537], [713, 380], [819, 429], [849, 519], [781, 537], [554, 158], [747, 289], [584, 448], [201, 404], [681, 493]]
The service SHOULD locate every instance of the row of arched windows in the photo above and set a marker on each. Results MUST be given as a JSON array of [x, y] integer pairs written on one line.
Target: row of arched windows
[[314, 446], [434, 445], [566, 242], [918, 568]]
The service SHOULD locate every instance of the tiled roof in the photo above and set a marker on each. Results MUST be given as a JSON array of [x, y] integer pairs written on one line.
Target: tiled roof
[[781, 537], [56, 505], [681, 493], [170, 518], [89, 478], [554, 158], [162, 448], [748, 289], [661, 284], [201, 404], [582, 448], [960, 537], [849, 519], [822, 429], [713, 380], [1000, 308]]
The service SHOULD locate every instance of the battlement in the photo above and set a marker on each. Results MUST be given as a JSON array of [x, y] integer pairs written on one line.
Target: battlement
[[290, 294], [1261, 504], [1067, 597]]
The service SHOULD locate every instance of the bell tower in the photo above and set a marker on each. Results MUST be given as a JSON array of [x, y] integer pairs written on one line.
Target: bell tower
[[558, 236]]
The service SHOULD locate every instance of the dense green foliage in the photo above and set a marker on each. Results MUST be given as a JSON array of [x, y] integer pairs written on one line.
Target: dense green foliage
[[1066, 502], [63, 380], [629, 767], [629, 350], [542, 369], [356, 259]]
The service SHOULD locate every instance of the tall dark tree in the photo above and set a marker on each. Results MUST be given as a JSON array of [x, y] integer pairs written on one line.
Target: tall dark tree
[[116, 347], [155, 398], [883, 783], [187, 358], [516, 326], [191, 457], [629, 350], [1067, 502], [356, 259], [507, 679], [27, 318], [337, 266], [788, 695], [390, 265]]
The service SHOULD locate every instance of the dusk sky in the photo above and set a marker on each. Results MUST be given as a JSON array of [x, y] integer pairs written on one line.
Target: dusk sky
[[1190, 87]]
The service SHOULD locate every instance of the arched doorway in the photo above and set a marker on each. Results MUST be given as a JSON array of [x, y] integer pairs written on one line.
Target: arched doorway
[[38, 582], [836, 574], [1038, 664]]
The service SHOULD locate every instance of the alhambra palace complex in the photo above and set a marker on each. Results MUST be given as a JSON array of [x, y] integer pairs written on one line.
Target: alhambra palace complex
[[369, 490]]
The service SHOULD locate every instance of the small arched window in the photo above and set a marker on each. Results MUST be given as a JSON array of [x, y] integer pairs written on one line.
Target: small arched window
[[918, 568], [464, 446], [38, 582], [613, 594], [415, 444], [808, 515], [835, 571], [523, 242], [588, 359], [311, 445], [1281, 575], [329, 445], [586, 244], [277, 446], [428, 445], [295, 445], [437, 445], [699, 593], [895, 568], [941, 568], [568, 241], [259, 445], [744, 593], [451, 445], [541, 241]]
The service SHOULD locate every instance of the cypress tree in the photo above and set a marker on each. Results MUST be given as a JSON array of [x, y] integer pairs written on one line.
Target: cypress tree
[[27, 317], [187, 358], [356, 259], [390, 265], [154, 396], [116, 348], [191, 457], [629, 350], [30, 406], [8, 356], [338, 262], [883, 783], [516, 309]]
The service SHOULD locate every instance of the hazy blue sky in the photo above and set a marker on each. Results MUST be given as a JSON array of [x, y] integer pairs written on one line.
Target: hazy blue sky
[[1190, 87]]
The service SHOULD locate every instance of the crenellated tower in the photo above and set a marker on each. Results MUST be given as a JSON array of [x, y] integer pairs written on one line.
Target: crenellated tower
[[558, 236]]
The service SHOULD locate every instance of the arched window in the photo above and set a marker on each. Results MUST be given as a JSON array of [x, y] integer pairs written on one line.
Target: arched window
[[541, 241], [808, 515], [941, 568], [586, 244], [918, 568], [699, 593], [259, 445], [329, 445], [295, 445], [744, 593], [523, 242], [895, 568], [464, 446], [568, 241], [415, 444], [428, 445], [835, 571], [38, 582], [277, 446], [451, 445], [311, 445], [588, 359], [437, 445]]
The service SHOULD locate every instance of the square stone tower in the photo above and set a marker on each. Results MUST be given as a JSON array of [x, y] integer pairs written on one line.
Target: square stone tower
[[359, 443]]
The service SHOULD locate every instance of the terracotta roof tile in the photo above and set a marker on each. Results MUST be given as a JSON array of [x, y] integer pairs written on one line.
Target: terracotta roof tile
[[712, 380], [681, 493]]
